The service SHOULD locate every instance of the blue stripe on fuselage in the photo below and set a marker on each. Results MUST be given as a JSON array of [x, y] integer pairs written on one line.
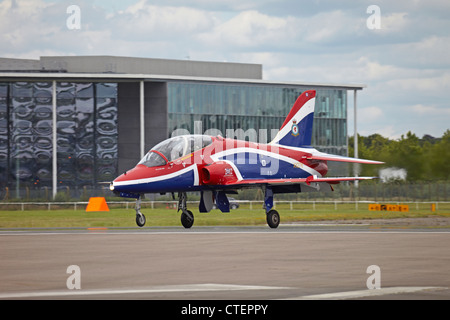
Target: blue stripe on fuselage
[[257, 166]]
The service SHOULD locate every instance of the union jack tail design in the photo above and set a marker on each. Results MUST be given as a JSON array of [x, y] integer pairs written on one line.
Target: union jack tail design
[[296, 130]]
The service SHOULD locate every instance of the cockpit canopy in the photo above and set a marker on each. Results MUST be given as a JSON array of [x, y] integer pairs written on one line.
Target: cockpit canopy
[[174, 148]]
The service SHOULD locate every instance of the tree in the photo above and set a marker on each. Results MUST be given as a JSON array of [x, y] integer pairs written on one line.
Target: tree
[[438, 159], [423, 159], [408, 154]]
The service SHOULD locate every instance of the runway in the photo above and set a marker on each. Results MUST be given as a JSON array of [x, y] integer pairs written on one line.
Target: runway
[[257, 263]]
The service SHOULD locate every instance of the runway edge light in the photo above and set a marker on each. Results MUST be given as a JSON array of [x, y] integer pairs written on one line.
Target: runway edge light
[[97, 204]]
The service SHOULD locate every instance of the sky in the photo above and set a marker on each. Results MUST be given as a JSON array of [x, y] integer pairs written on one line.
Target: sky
[[400, 50]]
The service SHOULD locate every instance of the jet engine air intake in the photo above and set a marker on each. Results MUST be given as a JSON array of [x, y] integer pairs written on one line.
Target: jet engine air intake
[[218, 173]]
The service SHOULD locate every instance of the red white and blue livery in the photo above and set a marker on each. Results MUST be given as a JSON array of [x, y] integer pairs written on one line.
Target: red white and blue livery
[[217, 166]]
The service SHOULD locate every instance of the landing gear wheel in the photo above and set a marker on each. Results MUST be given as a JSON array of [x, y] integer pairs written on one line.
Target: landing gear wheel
[[187, 219], [273, 219], [140, 219]]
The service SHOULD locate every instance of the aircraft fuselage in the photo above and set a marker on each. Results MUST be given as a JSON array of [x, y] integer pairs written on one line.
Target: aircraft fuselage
[[224, 160]]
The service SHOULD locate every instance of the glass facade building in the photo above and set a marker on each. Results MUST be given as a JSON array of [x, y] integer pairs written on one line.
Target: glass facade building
[[87, 124], [25, 134], [72, 123], [86, 115], [246, 107]]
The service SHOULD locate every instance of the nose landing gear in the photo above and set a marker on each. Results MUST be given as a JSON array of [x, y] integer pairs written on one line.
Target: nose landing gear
[[140, 218], [187, 217]]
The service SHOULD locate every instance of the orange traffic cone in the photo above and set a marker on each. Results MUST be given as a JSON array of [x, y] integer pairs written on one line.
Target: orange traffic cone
[[97, 204]]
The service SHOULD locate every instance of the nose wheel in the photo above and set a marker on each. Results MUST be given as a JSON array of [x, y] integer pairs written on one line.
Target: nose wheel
[[140, 218]]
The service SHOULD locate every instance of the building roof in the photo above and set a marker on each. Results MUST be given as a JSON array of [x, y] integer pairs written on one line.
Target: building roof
[[127, 69], [132, 65], [105, 77]]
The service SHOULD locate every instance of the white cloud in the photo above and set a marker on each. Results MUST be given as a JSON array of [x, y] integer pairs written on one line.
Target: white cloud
[[373, 70], [247, 29], [428, 52], [389, 131], [338, 68], [406, 64], [428, 110], [22, 25], [144, 20], [267, 59], [425, 85], [332, 27], [394, 23], [370, 114]]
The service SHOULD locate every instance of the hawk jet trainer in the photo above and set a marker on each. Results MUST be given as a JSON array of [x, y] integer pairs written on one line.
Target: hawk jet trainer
[[217, 166]]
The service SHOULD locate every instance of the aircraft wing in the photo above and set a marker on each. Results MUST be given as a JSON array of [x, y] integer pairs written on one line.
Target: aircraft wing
[[309, 180], [331, 157]]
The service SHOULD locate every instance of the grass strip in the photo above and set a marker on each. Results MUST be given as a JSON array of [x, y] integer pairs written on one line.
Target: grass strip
[[69, 218]]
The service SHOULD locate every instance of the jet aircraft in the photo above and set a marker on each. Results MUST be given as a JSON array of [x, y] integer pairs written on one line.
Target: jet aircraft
[[217, 166]]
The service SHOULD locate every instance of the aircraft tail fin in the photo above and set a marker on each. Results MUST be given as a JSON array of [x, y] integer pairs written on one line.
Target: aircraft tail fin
[[296, 130]]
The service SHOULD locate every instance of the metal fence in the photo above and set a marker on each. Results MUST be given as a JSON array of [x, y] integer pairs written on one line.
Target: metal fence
[[438, 206], [432, 191], [423, 191]]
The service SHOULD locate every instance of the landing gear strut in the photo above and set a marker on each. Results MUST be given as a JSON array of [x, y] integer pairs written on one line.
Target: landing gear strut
[[140, 218], [187, 218]]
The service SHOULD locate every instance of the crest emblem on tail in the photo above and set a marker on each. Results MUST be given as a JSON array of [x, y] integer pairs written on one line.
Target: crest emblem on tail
[[294, 129]]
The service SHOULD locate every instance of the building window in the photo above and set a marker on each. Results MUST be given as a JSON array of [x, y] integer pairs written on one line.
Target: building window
[[86, 134], [229, 106]]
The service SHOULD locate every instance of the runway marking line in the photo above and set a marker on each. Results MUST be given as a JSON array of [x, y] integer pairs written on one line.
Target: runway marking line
[[366, 293], [156, 289], [199, 232], [208, 287]]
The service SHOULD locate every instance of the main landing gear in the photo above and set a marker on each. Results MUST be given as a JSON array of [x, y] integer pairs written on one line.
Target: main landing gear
[[187, 217], [272, 216], [273, 219]]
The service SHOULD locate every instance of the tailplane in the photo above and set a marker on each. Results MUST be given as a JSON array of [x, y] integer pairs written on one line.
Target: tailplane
[[296, 130]]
